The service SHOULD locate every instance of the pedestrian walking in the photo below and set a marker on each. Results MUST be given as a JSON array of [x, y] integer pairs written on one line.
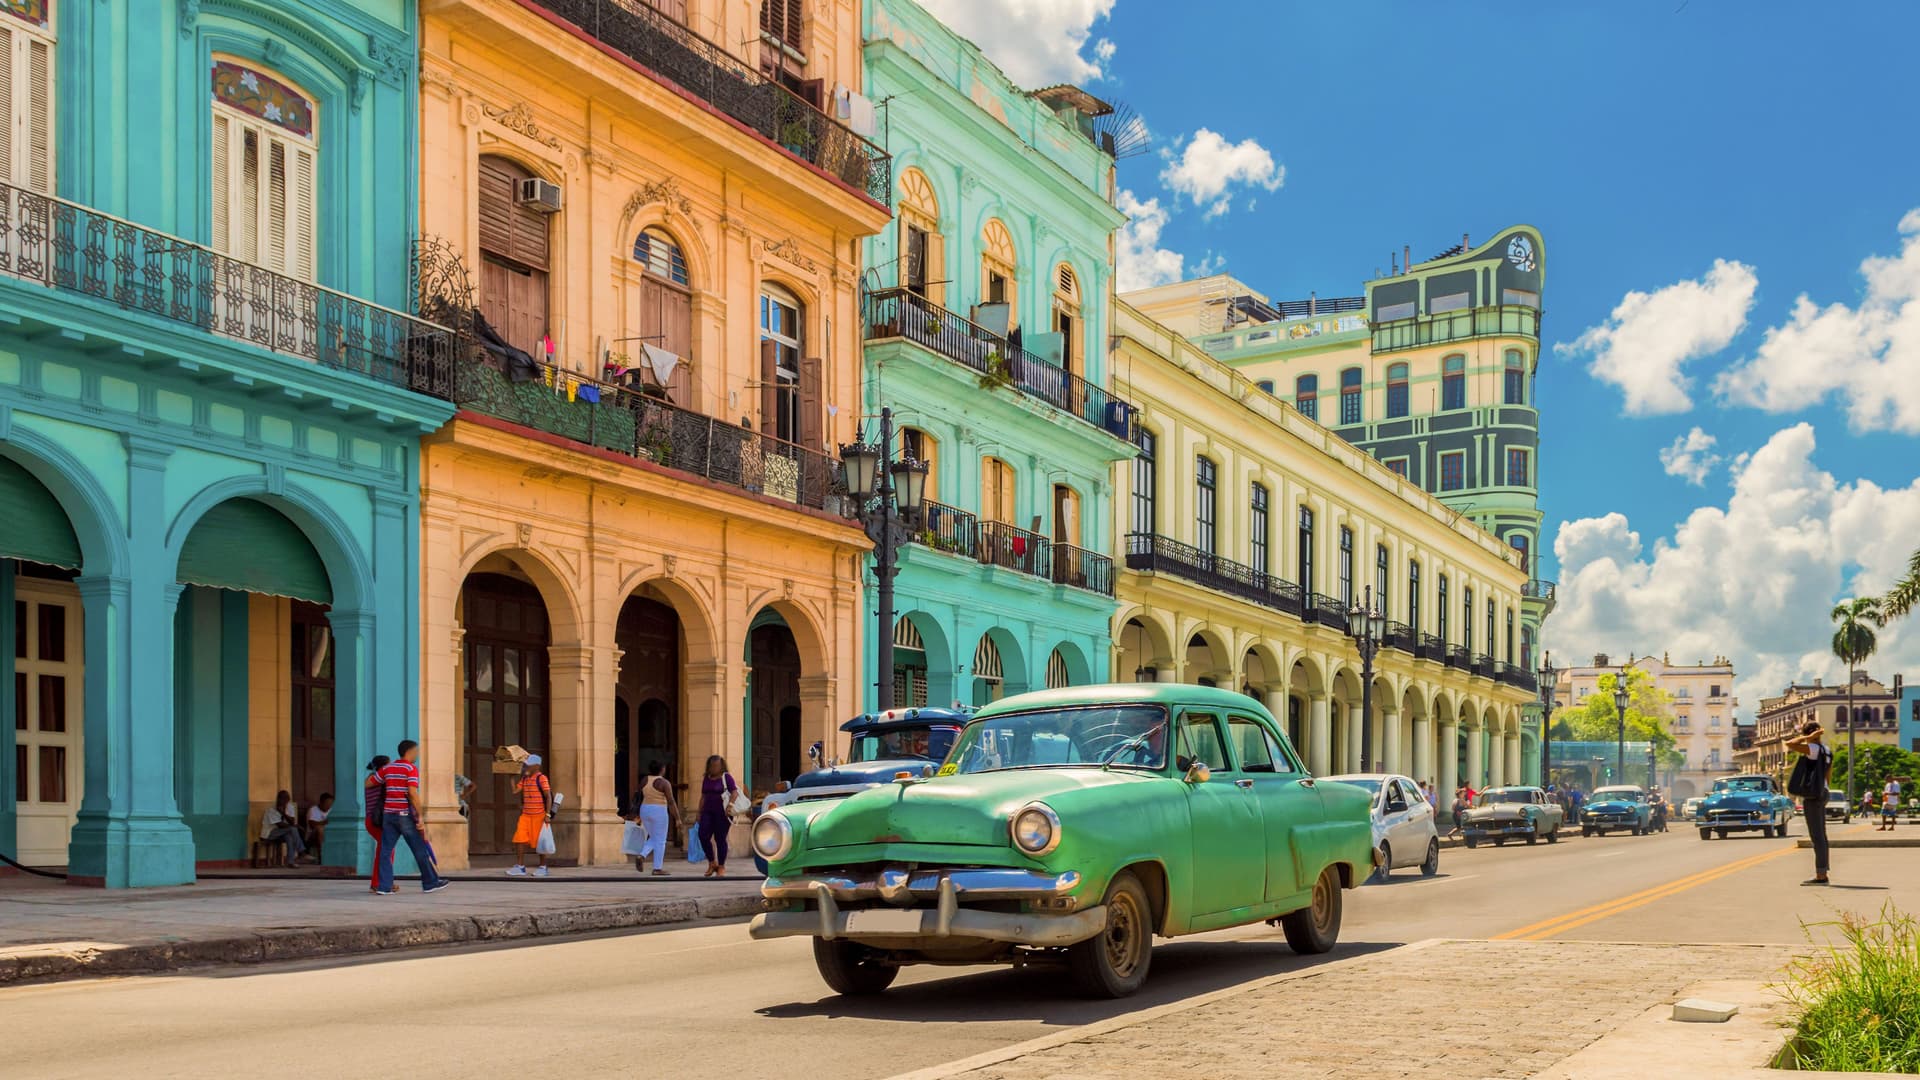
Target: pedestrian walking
[[717, 792], [1460, 805], [656, 796], [1809, 781], [372, 799], [536, 812], [1889, 805], [400, 813]]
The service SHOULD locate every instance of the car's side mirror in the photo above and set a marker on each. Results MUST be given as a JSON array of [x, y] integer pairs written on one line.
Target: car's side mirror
[[1396, 806], [1199, 773]]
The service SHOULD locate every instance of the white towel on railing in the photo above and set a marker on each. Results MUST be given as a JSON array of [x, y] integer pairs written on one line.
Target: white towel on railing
[[661, 361]]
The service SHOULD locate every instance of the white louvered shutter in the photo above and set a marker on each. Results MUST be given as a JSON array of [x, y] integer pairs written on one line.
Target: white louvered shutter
[[222, 183], [246, 225], [26, 102], [7, 97], [264, 197]]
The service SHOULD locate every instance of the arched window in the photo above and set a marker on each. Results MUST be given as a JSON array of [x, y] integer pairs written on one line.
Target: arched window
[[1066, 515], [661, 317], [1306, 394], [999, 273], [265, 159], [514, 257], [1057, 673], [1519, 543], [27, 44], [1350, 396], [790, 393], [909, 664], [920, 446], [1453, 383], [1396, 390], [922, 248], [1066, 316], [1266, 386], [997, 490], [988, 674], [1516, 378]]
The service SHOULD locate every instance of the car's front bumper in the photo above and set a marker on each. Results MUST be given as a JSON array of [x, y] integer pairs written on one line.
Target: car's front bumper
[[1497, 828], [904, 920]]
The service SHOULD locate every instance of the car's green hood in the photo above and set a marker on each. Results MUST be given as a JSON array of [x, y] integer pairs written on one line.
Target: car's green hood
[[971, 809], [1738, 800]]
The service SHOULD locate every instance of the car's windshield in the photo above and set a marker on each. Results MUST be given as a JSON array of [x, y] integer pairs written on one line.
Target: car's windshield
[[1616, 794], [929, 743], [1488, 798], [1133, 736], [1370, 785], [1741, 783]]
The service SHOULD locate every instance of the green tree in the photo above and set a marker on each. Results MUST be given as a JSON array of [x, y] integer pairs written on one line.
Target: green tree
[[1877, 762], [1905, 594], [1649, 715], [1853, 642]]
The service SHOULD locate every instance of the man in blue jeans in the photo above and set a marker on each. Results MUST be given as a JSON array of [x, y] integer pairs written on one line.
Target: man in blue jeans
[[400, 792]]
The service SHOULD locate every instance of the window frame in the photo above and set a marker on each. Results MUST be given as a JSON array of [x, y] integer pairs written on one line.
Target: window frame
[[1306, 396], [1303, 554], [1524, 458], [1457, 458], [1397, 392], [1453, 382], [1413, 594], [788, 422], [1258, 529], [1440, 605], [1344, 567], [1146, 482], [1352, 397], [1515, 378], [1206, 491], [34, 122], [229, 195]]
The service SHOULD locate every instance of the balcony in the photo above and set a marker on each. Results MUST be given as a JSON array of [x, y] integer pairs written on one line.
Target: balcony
[[1482, 665], [949, 529], [77, 250], [1082, 569], [611, 417], [1458, 656], [1430, 647], [1327, 611], [1538, 589], [1400, 636], [1159, 554], [1504, 320], [1515, 675], [897, 313], [992, 543], [731, 87]]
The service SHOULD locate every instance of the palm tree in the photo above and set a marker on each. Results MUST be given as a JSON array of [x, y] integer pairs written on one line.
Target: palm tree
[[1853, 642], [1905, 595]]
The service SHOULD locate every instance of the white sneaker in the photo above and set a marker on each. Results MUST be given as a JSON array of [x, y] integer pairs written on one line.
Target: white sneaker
[[539, 871], [516, 870]]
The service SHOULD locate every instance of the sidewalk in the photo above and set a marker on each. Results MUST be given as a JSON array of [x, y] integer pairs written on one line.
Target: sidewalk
[[50, 930]]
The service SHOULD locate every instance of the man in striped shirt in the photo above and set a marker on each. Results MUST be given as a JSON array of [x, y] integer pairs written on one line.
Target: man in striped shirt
[[400, 795]]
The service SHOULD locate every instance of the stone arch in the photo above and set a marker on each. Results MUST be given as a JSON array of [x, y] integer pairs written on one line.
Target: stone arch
[[1070, 661], [565, 617], [807, 634], [1144, 646], [90, 513], [698, 628], [347, 571], [1306, 677], [942, 665], [1260, 658], [1222, 663]]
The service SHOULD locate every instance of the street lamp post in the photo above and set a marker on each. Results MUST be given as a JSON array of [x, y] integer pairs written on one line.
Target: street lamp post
[[887, 498], [1549, 681], [1620, 709], [1367, 628]]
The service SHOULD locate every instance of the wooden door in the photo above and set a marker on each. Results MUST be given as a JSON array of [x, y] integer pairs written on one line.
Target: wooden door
[[507, 698], [312, 713]]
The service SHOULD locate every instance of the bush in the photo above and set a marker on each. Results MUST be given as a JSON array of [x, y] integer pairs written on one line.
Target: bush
[[1860, 999]]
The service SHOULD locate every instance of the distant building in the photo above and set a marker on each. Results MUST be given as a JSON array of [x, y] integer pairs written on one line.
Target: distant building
[[1704, 728], [1876, 711], [1909, 716]]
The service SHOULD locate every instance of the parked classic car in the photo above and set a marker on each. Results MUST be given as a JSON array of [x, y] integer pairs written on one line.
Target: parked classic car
[[1512, 813], [1404, 832], [884, 744], [1691, 808], [1620, 808], [1745, 803], [1070, 826]]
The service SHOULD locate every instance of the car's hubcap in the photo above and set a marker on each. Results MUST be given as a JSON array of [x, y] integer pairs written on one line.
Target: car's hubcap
[[1322, 904], [1124, 938]]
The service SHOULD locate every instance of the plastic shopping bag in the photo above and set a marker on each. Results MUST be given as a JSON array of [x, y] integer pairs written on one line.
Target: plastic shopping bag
[[633, 839], [545, 844], [695, 853]]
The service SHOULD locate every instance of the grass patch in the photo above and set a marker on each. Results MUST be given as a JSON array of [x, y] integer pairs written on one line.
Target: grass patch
[[1859, 998]]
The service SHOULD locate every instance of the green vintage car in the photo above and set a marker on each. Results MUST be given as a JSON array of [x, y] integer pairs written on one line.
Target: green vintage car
[[1070, 826]]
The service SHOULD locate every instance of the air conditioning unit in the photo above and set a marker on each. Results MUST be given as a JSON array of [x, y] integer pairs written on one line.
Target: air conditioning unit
[[539, 194]]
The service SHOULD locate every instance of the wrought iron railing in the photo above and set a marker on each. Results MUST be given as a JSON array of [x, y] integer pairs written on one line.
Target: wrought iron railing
[[1399, 636], [1483, 665], [616, 418], [949, 529], [1082, 569], [1430, 647], [1015, 548], [1328, 611], [1458, 656], [1160, 554], [897, 313], [75, 249], [732, 86], [1537, 589], [1515, 675], [1500, 320]]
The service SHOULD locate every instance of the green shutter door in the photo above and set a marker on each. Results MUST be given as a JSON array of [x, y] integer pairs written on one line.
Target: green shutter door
[[36, 527], [250, 547]]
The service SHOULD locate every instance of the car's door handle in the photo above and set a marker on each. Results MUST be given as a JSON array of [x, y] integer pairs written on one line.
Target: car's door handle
[[1243, 785], [1306, 781]]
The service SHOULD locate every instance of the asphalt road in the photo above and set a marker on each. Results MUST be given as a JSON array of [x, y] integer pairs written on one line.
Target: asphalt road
[[706, 1002]]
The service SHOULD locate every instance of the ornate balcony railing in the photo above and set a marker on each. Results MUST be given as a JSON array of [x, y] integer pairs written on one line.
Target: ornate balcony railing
[[1459, 657], [75, 249], [1483, 665], [1430, 647], [1082, 569], [1538, 589], [1328, 611], [668, 49], [612, 417], [1500, 320], [897, 313], [1399, 636], [950, 529], [1515, 675], [1016, 549], [1160, 554]]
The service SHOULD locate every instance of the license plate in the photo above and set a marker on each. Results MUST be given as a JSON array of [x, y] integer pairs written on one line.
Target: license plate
[[883, 921]]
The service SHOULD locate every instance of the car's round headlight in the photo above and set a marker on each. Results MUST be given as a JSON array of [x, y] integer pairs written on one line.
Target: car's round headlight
[[772, 836], [1036, 829]]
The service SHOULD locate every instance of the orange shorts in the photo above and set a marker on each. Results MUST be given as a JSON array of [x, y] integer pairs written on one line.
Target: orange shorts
[[528, 831]]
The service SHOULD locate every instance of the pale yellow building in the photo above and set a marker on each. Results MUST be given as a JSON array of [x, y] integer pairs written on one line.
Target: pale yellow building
[[1249, 531], [631, 547], [1876, 719], [1704, 727]]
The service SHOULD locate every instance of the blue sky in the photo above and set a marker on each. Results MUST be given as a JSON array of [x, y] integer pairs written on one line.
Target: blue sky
[[1647, 141]]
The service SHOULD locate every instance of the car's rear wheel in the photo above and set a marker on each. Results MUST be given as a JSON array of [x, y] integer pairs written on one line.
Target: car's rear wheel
[[852, 969], [1114, 962], [1722, 832], [1471, 842], [1384, 869], [1432, 865], [1706, 834], [1316, 927]]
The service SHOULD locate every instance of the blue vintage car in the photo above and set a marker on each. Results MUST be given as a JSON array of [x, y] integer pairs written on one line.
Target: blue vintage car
[[884, 745], [1742, 804], [1621, 808]]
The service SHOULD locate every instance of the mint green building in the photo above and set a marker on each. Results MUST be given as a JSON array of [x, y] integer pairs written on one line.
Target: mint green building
[[210, 410], [986, 321]]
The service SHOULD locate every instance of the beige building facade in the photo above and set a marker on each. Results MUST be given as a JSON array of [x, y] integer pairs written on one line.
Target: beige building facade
[[1876, 719], [1704, 725]]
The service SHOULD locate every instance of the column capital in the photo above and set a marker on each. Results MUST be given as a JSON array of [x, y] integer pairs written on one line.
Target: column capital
[[572, 655], [103, 586], [358, 622]]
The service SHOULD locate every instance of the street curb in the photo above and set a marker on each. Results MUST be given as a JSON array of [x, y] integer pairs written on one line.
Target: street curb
[[273, 946], [1118, 1023], [1867, 841]]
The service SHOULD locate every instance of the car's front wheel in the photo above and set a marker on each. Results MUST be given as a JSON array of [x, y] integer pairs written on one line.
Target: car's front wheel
[[1533, 837], [1384, 868], [1114, 962], [1785, 821], [851, 969], [1432, 865], [1706, 834], [1316, 927]]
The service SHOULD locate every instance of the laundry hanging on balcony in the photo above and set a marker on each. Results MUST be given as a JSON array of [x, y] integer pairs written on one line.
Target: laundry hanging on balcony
[[662, 362], [517, 364]]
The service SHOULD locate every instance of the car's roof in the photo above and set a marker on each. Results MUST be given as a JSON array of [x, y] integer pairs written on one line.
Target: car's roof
[[1346, 778], [1619, 787], [905, 718], [1512, 787], [1175, 694]]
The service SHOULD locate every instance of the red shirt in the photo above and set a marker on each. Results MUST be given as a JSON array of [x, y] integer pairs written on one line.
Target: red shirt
[[399, 778]]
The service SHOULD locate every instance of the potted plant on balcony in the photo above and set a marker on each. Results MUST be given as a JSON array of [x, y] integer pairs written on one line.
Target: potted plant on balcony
[[999, 373], [797, 137]]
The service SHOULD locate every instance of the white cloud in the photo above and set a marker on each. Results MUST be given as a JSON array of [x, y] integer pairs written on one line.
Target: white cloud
[[1644, 345], [1752, 580], [1691, 457], [1208, 168], [1868, 356], [1036, 42], [1140, 261]]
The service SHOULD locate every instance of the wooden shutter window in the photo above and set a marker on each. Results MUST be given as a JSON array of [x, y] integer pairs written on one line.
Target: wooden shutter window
[[26, 103], [222, 222], [812, 407], [769, 387], [264, 202]]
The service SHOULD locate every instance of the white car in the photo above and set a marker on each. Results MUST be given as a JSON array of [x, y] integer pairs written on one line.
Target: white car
[[1690, 810], [1405, 832]]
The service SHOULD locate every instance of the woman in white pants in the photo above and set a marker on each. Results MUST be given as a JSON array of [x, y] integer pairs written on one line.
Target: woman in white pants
[[656, 802]]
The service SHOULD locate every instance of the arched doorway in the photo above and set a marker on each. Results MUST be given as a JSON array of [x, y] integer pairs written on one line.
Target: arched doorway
[[1203, 663], [1143, 652], [506, 691], [773, 658], [649, 637]]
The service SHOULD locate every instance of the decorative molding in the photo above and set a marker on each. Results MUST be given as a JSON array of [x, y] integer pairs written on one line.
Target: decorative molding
[[391, 61], [437, 78], [524, 532], [669, 564], [969, 184], [786, 588], [276, 479], [275, 51], [189, 17], [519, 119], [356, 90], [789, 249], [659, 191]]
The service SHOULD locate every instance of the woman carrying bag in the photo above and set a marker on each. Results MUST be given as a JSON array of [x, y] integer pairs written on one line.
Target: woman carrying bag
[[720, 799], [1809, 782]]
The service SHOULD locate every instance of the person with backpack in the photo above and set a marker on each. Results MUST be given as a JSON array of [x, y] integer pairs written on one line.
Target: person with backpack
[[400, 813], [1809, 782], [656, 796], [718, 793], [372, 796], [536, 811]]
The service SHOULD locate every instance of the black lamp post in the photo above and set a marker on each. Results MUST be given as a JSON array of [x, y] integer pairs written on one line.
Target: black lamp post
[[1549, 681], [887, 498], [1620, 711], [1367, 628]]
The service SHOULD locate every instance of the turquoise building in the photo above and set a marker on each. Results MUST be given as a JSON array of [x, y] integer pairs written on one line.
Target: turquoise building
[[210, 411], [986, 321]]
